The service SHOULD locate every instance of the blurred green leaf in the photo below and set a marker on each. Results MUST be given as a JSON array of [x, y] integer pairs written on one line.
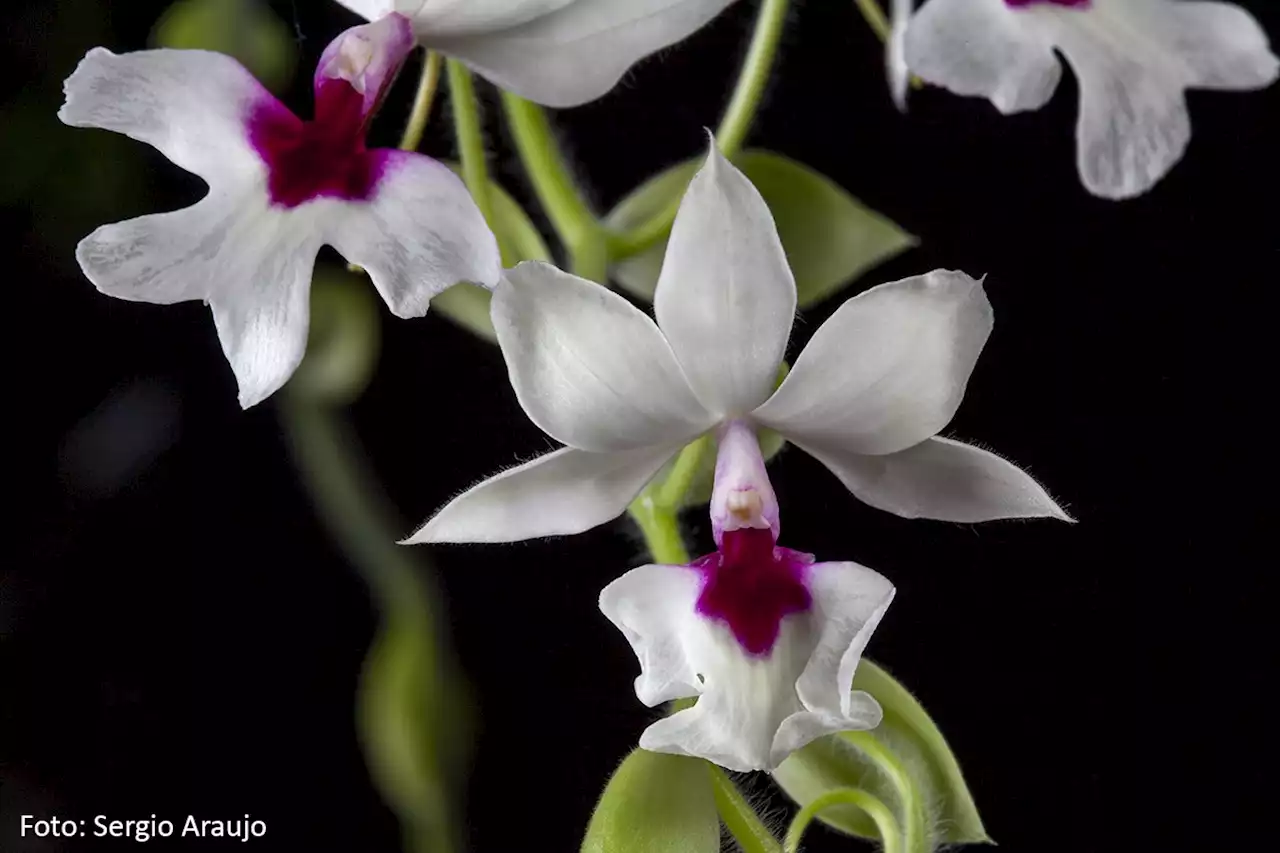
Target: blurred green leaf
[[829, 236], [833, 763], [656, 803], [342, 343], [468, 305], [245, 29], [409, 725]]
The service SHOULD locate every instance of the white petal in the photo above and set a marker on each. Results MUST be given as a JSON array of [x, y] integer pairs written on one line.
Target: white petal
[[744, 700], [588, 367], [564, 492], [752, 711], [189, 104], [942, 479], [982, 47], [420, 234], [436, 18], [887, 370], [250, 261], [442, 18], [1220, 45], [578, 52], [726, 297], [849, 601], [1134, 60], [650, 606], [163, 257]]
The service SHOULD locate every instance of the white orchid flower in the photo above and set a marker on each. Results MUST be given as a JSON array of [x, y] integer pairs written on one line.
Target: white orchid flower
[[767, 639], [560, 53], [866, 398], [279, 188], [1134, 60]]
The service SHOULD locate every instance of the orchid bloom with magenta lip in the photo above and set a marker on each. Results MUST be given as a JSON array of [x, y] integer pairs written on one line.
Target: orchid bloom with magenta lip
[[560, 53], [1134, 60], [866, 397], [767, 639], [279, 188]]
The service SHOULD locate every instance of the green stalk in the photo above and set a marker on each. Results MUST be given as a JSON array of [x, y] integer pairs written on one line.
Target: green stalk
[[414, 781], [738, 816], [915, 835], [733, 129], [886, 823], [422, 102], [661, 531], [570, 216], [466, 122], [874, 17]]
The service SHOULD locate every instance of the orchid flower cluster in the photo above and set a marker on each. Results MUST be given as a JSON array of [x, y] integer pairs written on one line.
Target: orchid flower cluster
[[756, 649]]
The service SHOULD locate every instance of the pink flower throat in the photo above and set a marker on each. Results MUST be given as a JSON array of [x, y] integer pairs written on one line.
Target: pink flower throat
[[751, 584], [324, 158]]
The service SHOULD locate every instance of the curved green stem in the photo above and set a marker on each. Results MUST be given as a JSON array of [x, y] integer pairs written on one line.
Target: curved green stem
[[677, 483], [755, 72], [915, 823], [734, 125], [428, 83], [661, 531], [466, 122], [880, 814], [874, 17], [738, 816], [555, 187], [407, 731]]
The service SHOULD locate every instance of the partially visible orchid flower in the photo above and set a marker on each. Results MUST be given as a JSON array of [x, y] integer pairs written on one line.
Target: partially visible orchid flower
[[866, 398], [279, 188], [767, 639], [1134, 60], [560, 53]]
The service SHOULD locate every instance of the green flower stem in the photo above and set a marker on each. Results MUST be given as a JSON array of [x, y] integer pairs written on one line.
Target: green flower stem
[[466, 122], [428, 83], [677, 484], [915, 831], [875, 17], [886, 823], [575, 223], [733, 129], [415, 781], [738, 816], [756, 68], [661, 530], [657, 509]]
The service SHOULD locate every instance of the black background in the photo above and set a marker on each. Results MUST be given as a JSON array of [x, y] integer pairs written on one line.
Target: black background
[[187, 638]]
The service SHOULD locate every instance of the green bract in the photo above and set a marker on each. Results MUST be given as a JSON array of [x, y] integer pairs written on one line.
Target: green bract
[[907, 732], [656, 803], [468, 306], [244, 29], [830, 238]]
